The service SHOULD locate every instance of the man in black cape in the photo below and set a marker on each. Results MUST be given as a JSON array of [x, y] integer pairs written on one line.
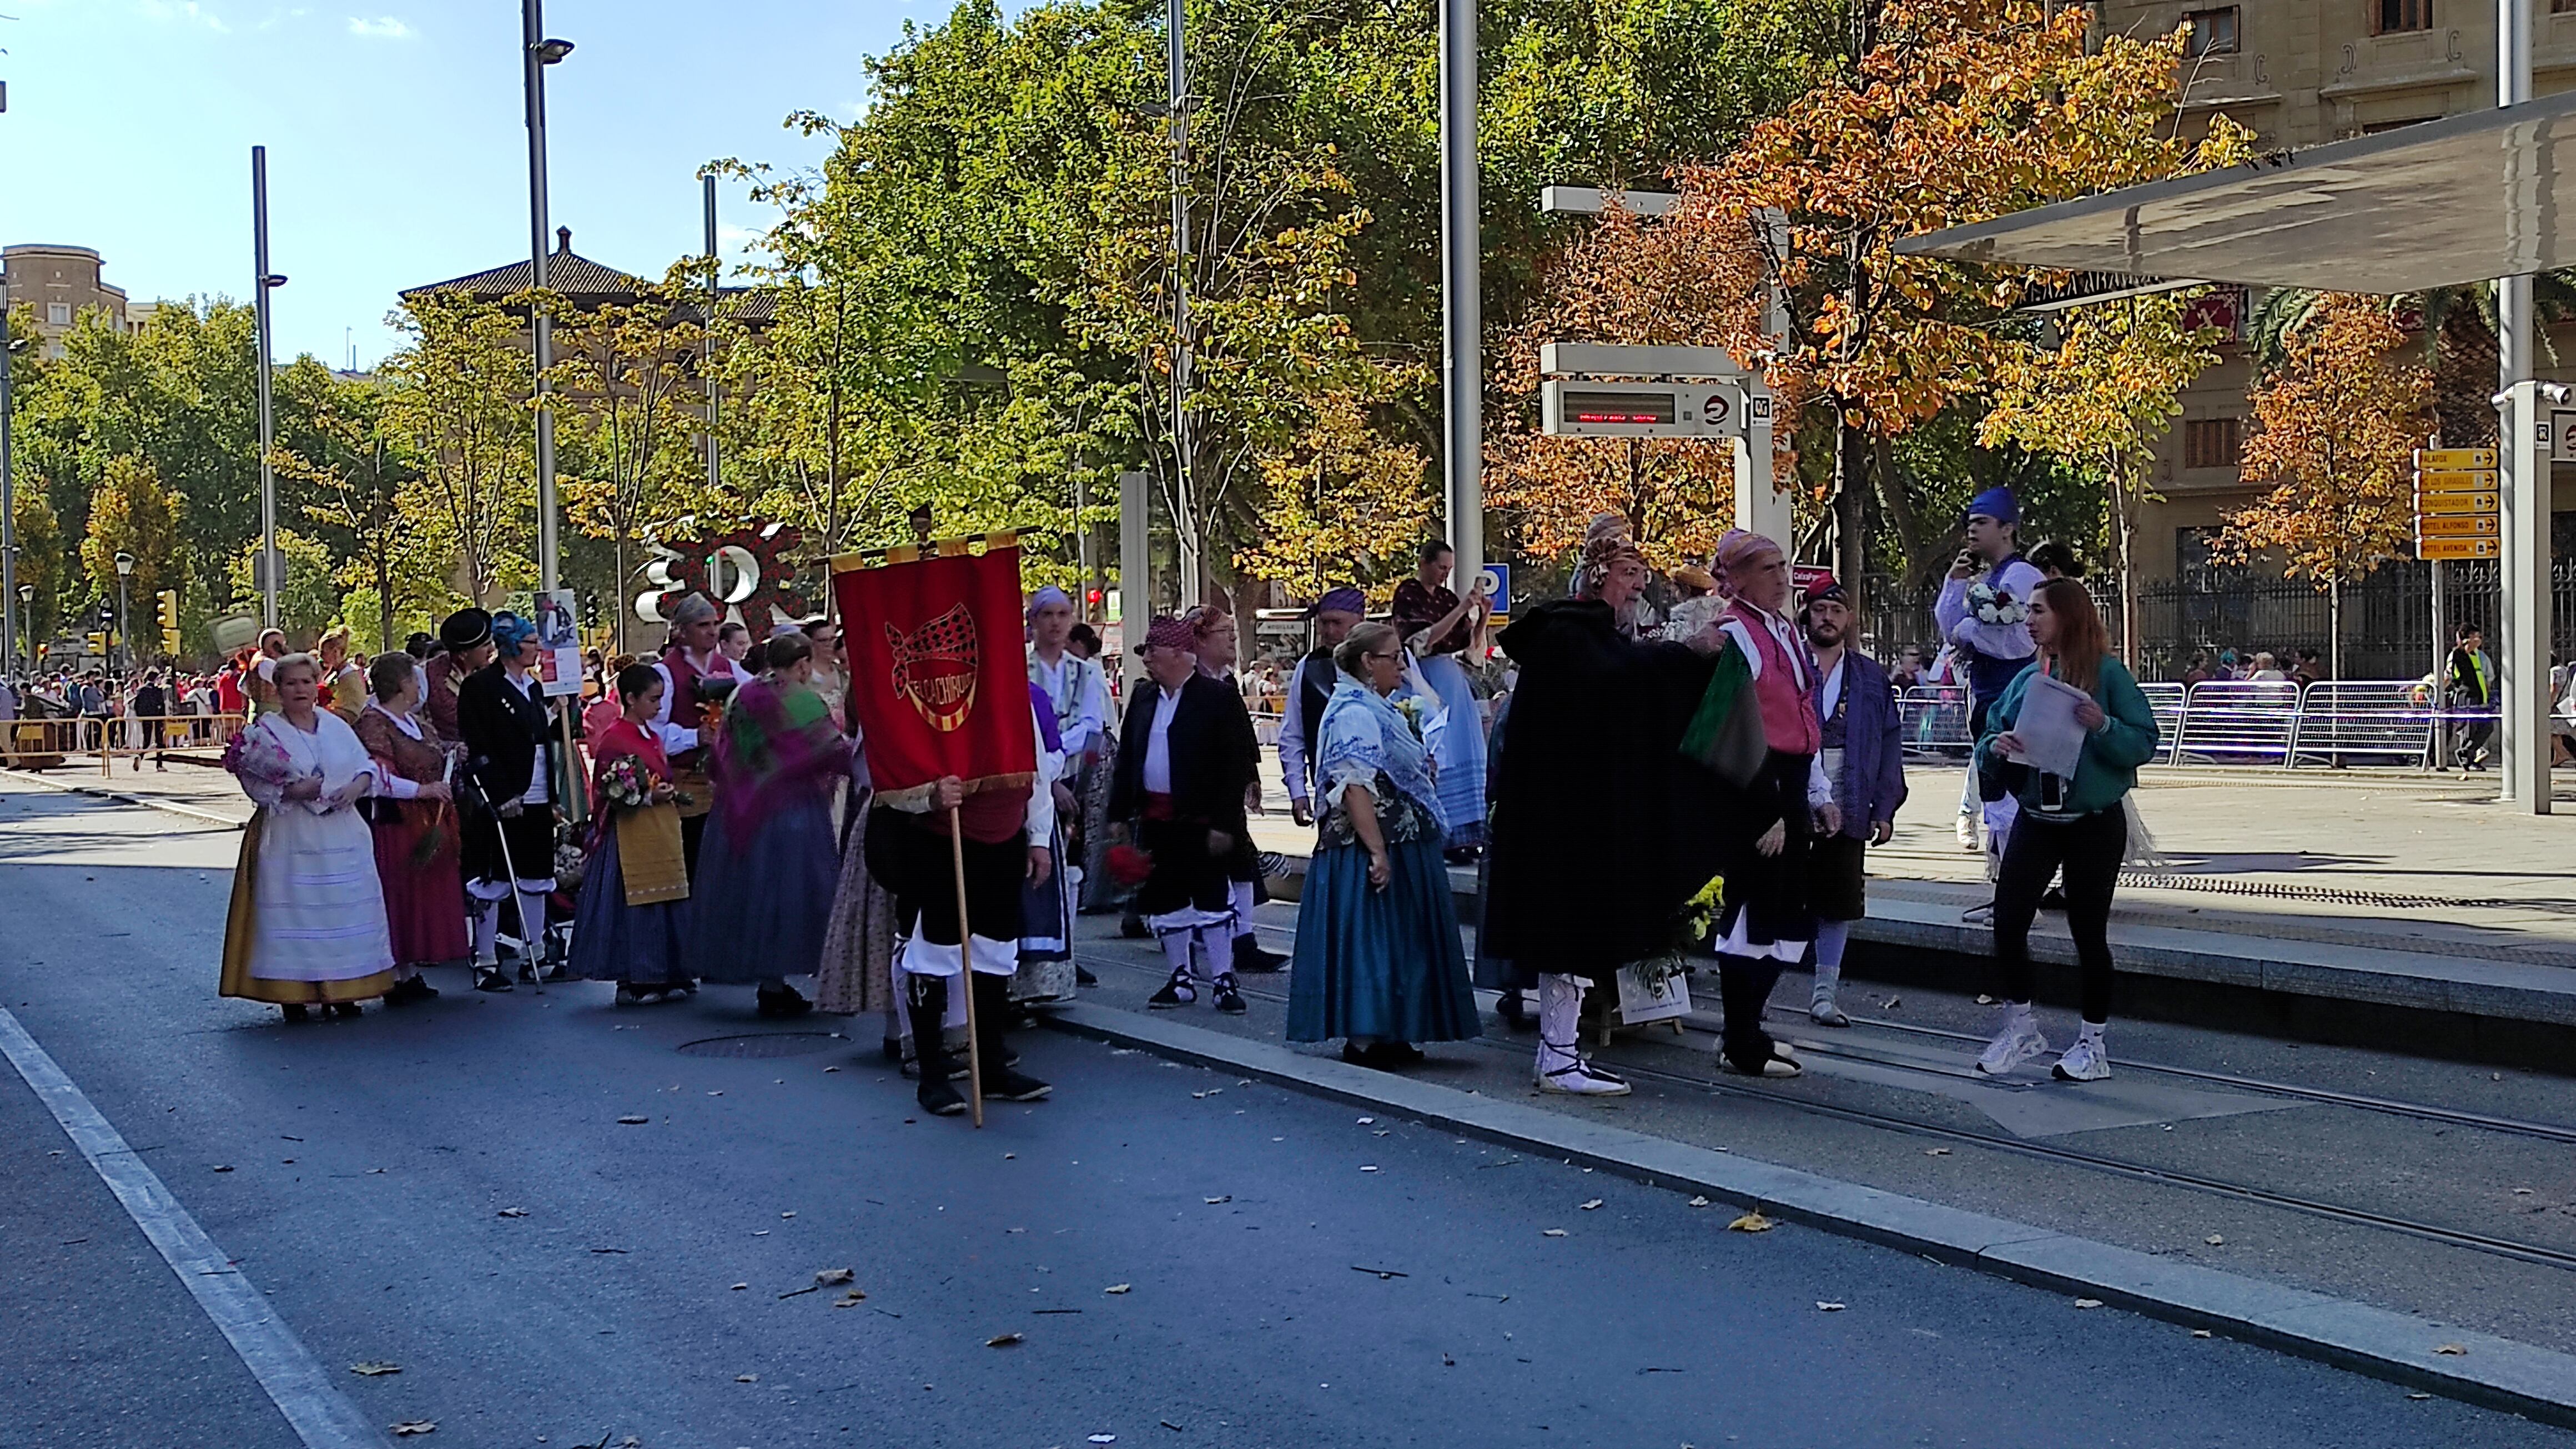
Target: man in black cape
[[1602, 828]]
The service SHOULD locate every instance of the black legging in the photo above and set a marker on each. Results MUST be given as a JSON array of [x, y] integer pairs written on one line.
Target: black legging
[[2090, 848]]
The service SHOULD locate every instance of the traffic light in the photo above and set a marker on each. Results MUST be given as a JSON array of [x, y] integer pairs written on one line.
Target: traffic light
[[97, 641], [169, 615]]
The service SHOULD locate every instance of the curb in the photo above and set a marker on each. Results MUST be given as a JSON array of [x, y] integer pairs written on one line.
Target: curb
[[100, 792], [2493, 1372]]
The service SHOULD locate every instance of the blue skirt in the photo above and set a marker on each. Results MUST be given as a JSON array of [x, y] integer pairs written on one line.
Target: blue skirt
[[613, 941], [1384, 964], [1461, 754], [762, 905]]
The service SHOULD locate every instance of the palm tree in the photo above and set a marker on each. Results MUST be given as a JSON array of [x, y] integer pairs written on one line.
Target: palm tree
[[2459, 327]]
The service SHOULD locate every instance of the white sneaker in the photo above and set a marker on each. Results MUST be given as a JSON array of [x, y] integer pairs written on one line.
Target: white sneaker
[[1979, 915], [1580, 1078], [2017, 1043], [1823, 1012], [1967, 831], [2089, 1060]]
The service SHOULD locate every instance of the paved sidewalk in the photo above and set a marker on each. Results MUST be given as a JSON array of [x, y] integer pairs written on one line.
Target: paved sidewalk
[[199, 792]]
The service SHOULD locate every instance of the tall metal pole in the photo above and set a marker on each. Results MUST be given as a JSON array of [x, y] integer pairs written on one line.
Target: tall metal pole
[[268, 558], [8, 507], [1462, 369], [541, 326], [715, 290], [1185, 502], [2525, 568]]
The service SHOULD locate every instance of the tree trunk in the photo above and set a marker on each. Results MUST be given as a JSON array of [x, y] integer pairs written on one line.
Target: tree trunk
[[1851, 493], [2334, 627], [617, 593]]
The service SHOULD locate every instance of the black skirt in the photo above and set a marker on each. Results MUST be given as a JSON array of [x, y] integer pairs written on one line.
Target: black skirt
[[1838, 878], [1771, 894], [530, 836]]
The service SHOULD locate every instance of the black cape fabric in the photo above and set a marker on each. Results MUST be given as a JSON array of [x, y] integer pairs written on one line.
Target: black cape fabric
[[1603, 830]]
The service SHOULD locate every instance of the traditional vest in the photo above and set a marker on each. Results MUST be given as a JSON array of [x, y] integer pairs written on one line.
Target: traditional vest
[[686, 711], [1315, 677], [1785, 689]]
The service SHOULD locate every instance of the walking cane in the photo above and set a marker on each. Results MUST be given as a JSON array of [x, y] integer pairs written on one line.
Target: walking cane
[[966, 977], [528, 939]]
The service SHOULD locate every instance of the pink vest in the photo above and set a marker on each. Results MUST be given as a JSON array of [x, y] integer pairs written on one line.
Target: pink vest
[[1789, 722]]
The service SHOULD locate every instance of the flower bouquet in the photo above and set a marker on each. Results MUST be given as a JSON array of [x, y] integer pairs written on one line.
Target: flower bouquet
[[1129, 866], [1417, 712], [627, 781], [1989, 606]]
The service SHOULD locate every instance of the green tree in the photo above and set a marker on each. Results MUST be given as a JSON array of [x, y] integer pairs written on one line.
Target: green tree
[[311, 600], [456, 404], [41, 561], [344, 477], [132, 513]]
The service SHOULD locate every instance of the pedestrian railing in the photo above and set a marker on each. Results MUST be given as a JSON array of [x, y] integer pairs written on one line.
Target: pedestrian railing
[[1934, 721], [2238, 722], [199, 737], [2167, 700], [2343, 721]]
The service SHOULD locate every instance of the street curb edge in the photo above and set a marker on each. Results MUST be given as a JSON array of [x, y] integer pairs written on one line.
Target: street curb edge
[[2493, 1372], [120, 797]]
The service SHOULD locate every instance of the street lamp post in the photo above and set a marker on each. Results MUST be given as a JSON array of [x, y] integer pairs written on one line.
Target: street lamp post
[[27, 613], [1462, 370], [8, 498], [265, 283], [124, 631], [540, 52]]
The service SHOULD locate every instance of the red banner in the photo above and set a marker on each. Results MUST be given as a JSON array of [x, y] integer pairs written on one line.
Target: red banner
[[938, 681]]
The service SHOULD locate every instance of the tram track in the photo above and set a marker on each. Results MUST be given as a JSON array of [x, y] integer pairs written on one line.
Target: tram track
[[2077, 1157]]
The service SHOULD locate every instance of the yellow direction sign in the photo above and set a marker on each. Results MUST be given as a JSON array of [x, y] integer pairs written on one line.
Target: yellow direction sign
[[2446, 458], [2426, 503], [2468, 525], [2475, 480], [2455, 548]]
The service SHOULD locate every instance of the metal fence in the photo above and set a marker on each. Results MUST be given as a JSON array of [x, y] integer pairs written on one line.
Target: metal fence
[[2387, 617], [2333, 723]]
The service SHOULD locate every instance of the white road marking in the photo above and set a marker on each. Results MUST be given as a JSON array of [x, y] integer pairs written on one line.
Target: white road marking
[[320, 1415]]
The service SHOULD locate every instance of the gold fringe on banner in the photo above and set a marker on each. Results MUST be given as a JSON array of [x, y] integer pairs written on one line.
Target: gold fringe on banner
[[904, 553]]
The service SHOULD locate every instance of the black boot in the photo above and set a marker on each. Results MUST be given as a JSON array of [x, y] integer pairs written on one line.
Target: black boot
[[1251, 960], [927, 999], [992, 1011]]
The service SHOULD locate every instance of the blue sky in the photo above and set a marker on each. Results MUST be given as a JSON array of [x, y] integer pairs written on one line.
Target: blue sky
[[397, 149]]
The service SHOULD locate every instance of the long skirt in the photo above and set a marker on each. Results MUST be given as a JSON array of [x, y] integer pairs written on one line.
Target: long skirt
[[1383, 964], [1460, 753], [416, 852], [307, 923], [639, 946], [1046, 935], [760, 904], [1091, 790], [857, 971]]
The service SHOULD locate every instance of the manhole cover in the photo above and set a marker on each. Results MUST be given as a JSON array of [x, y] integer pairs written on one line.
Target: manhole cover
[[763, 1044]]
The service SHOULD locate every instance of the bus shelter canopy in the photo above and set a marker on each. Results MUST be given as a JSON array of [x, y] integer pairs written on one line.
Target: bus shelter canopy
[[2467, 198]]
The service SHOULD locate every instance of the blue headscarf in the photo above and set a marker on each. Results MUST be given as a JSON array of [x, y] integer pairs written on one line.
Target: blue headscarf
[[1361, 729], [509, 631]]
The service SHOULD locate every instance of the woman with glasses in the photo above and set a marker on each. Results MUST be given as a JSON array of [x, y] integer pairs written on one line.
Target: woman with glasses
[[1378, 960]]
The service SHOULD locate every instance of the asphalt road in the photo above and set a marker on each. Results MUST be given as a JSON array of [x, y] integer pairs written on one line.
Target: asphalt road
[[1295, 1276]]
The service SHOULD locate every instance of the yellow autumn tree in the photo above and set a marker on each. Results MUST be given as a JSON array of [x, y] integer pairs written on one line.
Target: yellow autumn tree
[[2338, 424]]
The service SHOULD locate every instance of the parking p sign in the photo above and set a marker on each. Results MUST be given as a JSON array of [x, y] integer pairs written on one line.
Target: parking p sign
[[1496, 581]]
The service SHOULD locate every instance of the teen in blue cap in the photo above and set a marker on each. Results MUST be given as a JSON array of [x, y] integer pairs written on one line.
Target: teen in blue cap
[[1984, 612]]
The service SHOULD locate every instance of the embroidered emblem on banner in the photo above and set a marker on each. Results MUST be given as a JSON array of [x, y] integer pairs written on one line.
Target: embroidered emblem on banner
[[935, 667]]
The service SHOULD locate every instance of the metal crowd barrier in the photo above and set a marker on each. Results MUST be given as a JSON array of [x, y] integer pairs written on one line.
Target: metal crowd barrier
[[2241, 722], [190, 736]]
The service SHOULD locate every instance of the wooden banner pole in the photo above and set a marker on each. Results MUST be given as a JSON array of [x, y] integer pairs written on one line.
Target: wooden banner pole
[[966, 976]]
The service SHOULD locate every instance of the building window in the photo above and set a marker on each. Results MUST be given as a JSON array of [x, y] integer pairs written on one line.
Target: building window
[[2213, 32], [2562, 7], [58, 314], [2209, 443], [2395, 17]]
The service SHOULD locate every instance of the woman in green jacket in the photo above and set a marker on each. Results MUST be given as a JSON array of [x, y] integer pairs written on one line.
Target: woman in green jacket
[[2076, 823]]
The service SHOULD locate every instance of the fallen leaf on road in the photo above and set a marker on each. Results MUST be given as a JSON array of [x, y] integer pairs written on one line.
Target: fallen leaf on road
[[2451, 1349], [1936, 1151], [512, 1213], [2088, 1302], [1594, 1203], [1824, 1307], [1002, 1340], [746, 1378], [2522, 1192], [1894, 1002], [1213, 1201], [1368, 1121], [415, 1426], [1984, 1000], [1552, 1232], [1382, 1273], [787, 1215], [1370, 1168], [1447, 1362], [834, 1276], [831, 1069], [1168, 1424], [1699, 1202], [851, 1299], [1210, 1092], [1750, 1223], [372, 1369], [1118, 1288], [2419, 1395], [227, 1167], [1103, 1439], [633, 1121], [738, 1287], [2202, 1333], [2215, 1240]]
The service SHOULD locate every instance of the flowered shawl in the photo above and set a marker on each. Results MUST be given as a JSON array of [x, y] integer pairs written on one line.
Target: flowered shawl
[[1362, 736], [779, 743]]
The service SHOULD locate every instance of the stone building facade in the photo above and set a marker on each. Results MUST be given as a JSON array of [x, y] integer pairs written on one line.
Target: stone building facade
[[59, 283]]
